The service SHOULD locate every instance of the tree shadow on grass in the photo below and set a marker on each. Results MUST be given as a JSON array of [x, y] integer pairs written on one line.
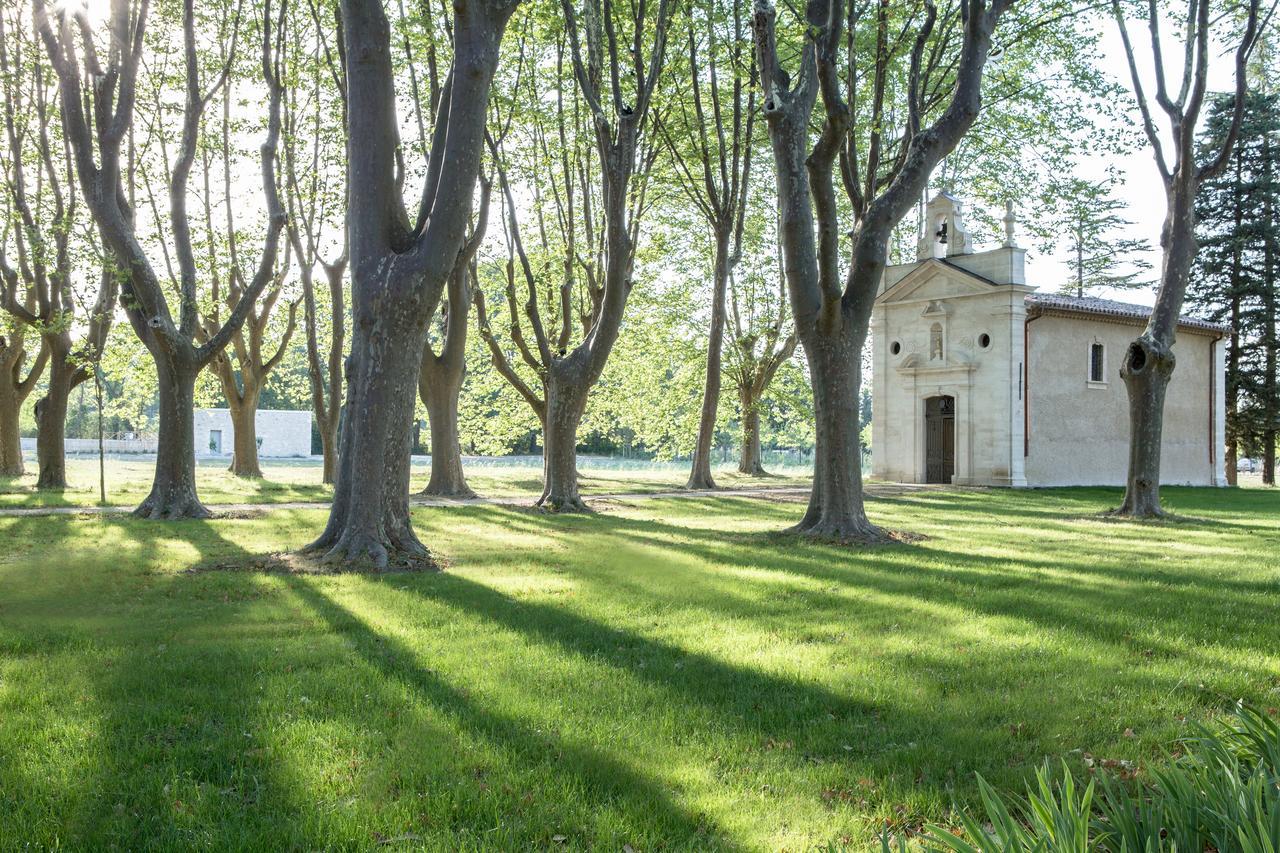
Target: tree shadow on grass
[[1108, 622], [825, 738], [1104, 601], [199, 730], [161, 672], [613, 797]]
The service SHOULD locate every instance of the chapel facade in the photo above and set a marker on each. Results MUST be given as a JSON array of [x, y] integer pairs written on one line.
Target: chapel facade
[[977, 379]]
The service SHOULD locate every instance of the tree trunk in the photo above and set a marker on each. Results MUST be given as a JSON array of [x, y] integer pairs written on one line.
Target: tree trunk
[[566, 402], [10, 432], [1149, 362], [835, 508], [173, 490], [369, 524], [51, 421], [1146, 371], [244, 417], [1269, 457], [700, 474], [439, 389], [328, 451], [749, 462]]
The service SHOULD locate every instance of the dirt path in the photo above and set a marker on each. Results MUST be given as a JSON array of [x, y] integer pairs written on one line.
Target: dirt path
[[873, 490]]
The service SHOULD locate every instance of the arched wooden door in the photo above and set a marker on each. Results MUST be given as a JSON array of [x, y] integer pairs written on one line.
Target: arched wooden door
[[939, 439]]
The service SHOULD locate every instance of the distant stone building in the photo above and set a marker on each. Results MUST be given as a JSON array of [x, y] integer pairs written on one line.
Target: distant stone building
[[280, 433], [978, 379]]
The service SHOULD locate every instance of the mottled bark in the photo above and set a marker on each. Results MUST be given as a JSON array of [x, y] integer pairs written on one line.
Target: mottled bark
[[14, 390], [606, 257], [566, 395], [439, 384], [11, 463], [749, 461], [306, 200], [51, 418], [369, 525], [38, 292], [1148, 363], [700, 474], [244, 441], [328, 406], [721, 140], [324, 372], [242, 384], [835, 508], [399, 268], [173, 488], [96, 145], [831, 316], [1147, 368], [440, 378], [440, 395], [753, 373]]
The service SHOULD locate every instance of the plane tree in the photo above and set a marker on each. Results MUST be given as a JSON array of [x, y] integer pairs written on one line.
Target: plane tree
[[400, 265], [1184, 166], [884, 124], [38, 290], [761, 341], [596, 152], [314, 116], [98, 86], [243, 367], [710, 133]]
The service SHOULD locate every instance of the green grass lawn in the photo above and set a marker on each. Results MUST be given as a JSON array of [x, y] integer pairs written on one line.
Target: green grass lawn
[[289, 481], [665, 675]]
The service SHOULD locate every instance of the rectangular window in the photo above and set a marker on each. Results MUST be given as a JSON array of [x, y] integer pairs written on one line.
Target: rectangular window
[[1095, 363]]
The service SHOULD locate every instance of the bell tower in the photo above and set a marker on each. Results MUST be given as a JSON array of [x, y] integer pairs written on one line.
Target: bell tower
[[944, 231]]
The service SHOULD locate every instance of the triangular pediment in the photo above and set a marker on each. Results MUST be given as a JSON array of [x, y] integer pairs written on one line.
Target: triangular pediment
[[934, 279]]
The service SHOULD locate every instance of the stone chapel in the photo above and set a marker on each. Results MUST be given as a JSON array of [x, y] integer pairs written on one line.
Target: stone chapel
[[979, 379]]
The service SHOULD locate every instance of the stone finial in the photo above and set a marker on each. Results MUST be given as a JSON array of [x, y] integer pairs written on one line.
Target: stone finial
[[1010, 220]]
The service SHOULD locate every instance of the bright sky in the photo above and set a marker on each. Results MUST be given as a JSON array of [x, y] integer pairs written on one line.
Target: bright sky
[[1140, 187]]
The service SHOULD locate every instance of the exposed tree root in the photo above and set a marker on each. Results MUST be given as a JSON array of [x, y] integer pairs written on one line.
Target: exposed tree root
[[1160, 516], [848, 531], [160, 508], [1146, 515], [699, 482], [1141, 501], [562, 504], [463, 492], [360, 551]]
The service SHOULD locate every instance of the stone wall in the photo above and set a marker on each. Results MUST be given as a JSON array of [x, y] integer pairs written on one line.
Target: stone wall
[[283, 433], [1079, 430]]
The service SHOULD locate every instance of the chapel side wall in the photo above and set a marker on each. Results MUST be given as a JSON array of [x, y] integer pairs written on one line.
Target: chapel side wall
[[1079, 431]]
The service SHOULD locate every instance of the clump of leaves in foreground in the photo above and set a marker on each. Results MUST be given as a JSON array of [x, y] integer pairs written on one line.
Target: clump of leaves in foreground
[[1221, 793]]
